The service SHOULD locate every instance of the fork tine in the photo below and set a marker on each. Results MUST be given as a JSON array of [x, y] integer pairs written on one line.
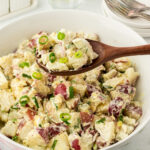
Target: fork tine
[[127, 2], [133, 3], [112, 6], [116, 6]]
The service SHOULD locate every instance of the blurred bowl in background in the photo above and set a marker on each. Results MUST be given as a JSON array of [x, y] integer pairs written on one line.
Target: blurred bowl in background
[[63, 4]]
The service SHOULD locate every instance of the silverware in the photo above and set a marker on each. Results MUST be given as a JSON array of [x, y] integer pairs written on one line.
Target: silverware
[[125, 11], [136, 5]]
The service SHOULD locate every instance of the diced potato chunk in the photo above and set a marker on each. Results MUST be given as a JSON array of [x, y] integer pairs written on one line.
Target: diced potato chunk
[[6, 64], [34, 140], [112, 83], [123, 131], [9, 129], [106, 130], [25, 130], [131, 75], [62, 142], [6, 100], [3, 81]]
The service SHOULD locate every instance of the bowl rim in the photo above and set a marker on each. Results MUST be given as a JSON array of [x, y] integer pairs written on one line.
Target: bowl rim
[[82, 12]]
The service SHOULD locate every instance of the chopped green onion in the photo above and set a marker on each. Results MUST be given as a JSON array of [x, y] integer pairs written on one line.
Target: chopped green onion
[[60, 36], [120, 118], [36, 102], [24, 100], [95, 147], [67, 123], [71, 92], [107, 86], [26, 76], [122, 71], [15, 107], [51, 95], [14, 120], [52, 57], [34, 51], [101, 120], [37, 75], [78, 124], [43, 40], [56, 106], [15, 138], [54, 145], [89, 103], [24, 64], [78, 54], [63, 60], [65, 117]]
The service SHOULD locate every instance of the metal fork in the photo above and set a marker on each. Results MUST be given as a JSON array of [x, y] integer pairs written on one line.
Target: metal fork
[[125, 11], [136, 5]]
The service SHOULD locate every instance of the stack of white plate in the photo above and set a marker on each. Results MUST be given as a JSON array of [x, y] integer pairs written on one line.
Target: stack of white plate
[[140, 25]]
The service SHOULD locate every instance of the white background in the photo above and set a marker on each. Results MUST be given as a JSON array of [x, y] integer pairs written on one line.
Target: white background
[[140, 141]]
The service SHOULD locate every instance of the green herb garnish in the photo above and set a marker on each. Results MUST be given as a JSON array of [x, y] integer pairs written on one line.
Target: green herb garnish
[[107, 87], [51, 95], [120, 118], [24, 100], [52, 57], [34, 51], [56, 106], [24, 64], [14, 120], [65, 117], [78, 124], [36, 102], [71, 92], [54, 145], [95, 147], [78, 54], [15, 138], [60, 36], [15, 107], [43, 40], [101, 120], [37, 75], [26, 76], [63, 60]]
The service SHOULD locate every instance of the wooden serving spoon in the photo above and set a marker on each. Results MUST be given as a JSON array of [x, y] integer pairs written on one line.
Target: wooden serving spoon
[[106, 53]]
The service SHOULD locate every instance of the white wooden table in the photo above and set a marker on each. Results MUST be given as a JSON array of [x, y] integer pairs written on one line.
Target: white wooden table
[[140, 141]]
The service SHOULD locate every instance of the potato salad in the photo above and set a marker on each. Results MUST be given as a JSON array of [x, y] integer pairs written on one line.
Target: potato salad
[[63, 51], [88, 111]]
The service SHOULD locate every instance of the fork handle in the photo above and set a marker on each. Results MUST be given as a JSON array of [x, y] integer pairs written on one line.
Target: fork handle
[[144, 16], [145, 8]]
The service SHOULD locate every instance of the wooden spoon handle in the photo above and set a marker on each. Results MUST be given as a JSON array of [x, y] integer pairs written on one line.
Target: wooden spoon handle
[[128, 51]]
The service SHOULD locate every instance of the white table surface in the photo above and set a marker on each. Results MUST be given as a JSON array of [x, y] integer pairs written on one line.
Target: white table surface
[[142, 140]]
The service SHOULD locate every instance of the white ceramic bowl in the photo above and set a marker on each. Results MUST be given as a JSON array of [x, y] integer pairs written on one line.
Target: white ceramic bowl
[[111, 32]]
